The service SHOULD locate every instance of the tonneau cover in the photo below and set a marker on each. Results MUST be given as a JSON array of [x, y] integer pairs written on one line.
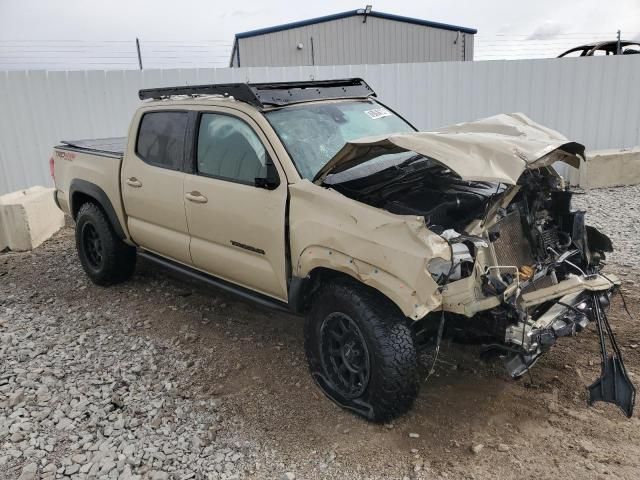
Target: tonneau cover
[[111, 146]]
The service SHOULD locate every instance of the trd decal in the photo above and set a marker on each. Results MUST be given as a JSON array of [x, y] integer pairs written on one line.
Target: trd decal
[[70, 156], [247, 247]]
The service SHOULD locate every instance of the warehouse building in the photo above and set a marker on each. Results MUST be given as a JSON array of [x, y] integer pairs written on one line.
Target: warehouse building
[[350, 38]]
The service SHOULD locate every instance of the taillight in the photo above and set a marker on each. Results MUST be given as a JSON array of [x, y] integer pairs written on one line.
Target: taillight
[[51, 168]]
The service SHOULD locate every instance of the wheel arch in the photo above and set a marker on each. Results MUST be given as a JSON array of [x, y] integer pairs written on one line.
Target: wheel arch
[[318, 264], [82, 191]]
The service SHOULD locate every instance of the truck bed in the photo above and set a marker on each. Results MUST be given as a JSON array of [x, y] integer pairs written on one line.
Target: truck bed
[[114, 146]]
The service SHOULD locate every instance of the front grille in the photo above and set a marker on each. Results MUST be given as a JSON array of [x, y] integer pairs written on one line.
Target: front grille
[[511, 247]]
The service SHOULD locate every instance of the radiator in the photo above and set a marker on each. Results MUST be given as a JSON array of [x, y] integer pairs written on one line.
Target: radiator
[[511, 247]]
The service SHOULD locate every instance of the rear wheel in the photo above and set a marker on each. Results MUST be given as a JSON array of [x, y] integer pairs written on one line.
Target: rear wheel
[[361, 351], [106, 259]]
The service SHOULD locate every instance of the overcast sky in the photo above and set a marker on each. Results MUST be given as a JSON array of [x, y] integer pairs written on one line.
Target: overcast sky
[[199, 29]]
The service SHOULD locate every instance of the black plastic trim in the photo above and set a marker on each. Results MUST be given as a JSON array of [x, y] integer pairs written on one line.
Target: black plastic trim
[[241, 292], [296, 293], [94, 191], [248, 247], [191, 142], [397, 114]]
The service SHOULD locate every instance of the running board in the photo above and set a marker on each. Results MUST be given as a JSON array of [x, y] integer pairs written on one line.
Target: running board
[[216, 282]]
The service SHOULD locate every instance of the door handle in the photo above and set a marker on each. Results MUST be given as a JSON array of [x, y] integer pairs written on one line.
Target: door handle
[[134, 182], [196, 197]]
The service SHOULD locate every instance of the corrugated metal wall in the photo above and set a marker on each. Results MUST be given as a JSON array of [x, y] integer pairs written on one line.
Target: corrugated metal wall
[[594, 101], [349, 41]]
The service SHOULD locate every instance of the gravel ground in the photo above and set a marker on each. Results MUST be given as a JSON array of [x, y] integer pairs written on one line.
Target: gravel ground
[[159, 378], [615, 211]]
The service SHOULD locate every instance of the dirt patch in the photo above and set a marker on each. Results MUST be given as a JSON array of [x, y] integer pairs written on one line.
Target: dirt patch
[[252, 361]]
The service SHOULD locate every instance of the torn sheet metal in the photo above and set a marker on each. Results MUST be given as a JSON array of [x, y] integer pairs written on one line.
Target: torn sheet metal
[[386, 251], [573, 284], [494, 149]]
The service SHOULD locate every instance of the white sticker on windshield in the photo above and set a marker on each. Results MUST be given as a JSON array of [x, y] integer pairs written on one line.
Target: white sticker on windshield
[[378, 113]]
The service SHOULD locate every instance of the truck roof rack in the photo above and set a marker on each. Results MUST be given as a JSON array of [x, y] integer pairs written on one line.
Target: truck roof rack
[[270, 94]]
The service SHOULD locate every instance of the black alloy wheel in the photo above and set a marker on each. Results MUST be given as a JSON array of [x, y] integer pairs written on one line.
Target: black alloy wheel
[[92, 245], [345, 355], [361, 351]]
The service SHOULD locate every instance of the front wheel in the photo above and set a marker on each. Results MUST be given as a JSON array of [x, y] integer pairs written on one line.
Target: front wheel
[[361, 352]]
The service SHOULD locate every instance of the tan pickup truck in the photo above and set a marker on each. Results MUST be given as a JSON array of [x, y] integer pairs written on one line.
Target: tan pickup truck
[[315, 198]]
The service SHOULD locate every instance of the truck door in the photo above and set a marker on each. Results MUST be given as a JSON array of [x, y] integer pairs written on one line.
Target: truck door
[[237, 228], [153, 183]]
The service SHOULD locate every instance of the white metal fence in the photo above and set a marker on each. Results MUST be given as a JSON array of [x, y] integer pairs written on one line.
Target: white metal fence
[[595, 101]]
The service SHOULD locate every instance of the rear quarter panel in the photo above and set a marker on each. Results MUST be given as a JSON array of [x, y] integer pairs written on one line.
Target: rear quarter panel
[[102, 171]]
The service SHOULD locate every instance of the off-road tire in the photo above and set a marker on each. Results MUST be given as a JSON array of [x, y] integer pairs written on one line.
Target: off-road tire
[[393, 382], [116, 261]]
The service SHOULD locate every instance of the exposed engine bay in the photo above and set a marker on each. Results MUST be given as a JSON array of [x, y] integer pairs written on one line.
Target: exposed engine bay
[[532, 231], [425, 189], [518, 251]]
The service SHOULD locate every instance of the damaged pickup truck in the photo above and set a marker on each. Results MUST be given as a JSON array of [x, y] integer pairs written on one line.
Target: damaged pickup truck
[[313, 197]]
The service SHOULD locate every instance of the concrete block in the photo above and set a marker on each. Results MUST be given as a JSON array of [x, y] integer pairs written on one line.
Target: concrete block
[[28, 218], [610, 168], [607, 168]]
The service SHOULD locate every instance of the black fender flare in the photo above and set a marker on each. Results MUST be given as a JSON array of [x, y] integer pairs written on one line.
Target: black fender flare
[[102, 199], [298, 291]]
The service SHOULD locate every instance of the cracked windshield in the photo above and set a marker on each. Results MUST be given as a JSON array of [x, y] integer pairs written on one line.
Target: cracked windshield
[[314, 133]]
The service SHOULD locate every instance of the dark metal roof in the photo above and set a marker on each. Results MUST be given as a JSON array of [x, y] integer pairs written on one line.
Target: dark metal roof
[[353, 13]]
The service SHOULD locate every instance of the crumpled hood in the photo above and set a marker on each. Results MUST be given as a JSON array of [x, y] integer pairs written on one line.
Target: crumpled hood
[[494, 149]]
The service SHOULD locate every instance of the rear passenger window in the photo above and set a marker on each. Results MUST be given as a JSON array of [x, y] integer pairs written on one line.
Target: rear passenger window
[[228, 148], [161, 139]]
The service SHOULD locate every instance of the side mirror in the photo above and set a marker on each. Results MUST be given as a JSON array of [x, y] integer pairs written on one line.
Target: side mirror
[[272, 180]]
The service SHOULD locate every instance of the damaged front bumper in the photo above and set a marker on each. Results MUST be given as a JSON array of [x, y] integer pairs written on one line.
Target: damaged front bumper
[[570, 314], [528, 341]]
